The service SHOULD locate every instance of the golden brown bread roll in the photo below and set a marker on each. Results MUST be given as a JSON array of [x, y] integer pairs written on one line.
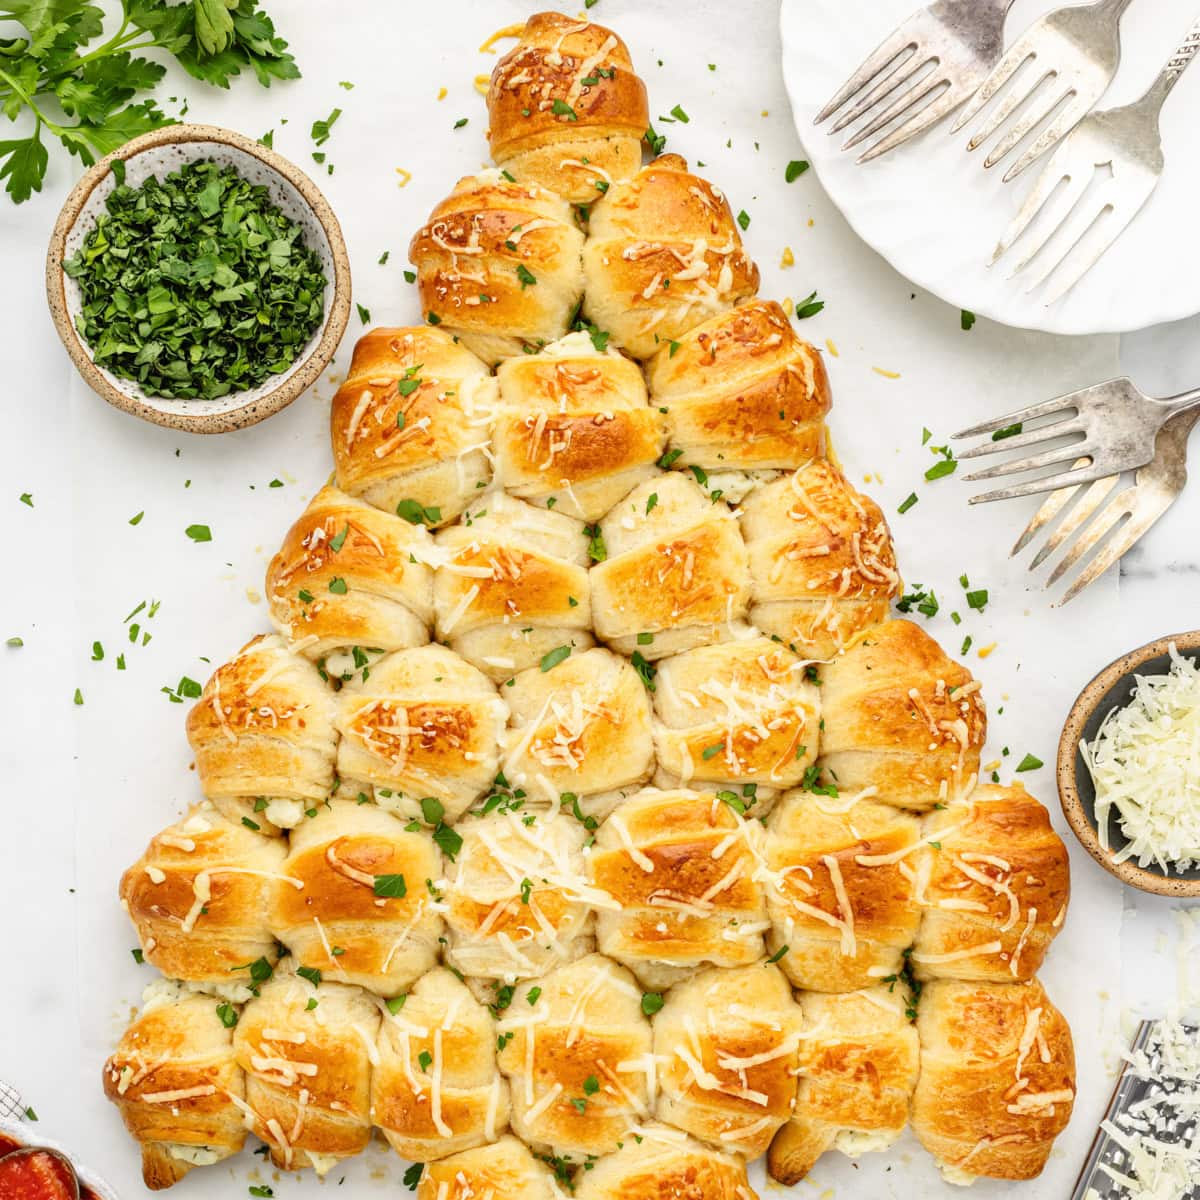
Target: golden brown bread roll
[[199, 898], [822, 563], [901, 718], [505, 1168], [735, 714], [858, 1067], [682, 866], [578, 1058], [742, 392], [994, 888], [728, 1043], [435, 1089], [512, 585], [663, 254], [574, 431], [348, 581], [364, 914], [841, 891], [517, 897], [308, 1070], [579, 731], [672, 573], [498, 265], [566, 109], [423, 727], [175, 1081], [263, 736], [658, 1163], [409, 425], [997, 1081]]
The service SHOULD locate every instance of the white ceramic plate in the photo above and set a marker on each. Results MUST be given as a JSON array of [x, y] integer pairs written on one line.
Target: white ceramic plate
[[935, 214]]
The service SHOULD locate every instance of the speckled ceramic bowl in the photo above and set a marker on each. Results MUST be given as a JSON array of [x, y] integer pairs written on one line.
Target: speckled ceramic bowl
[[1113, 688], [28, 1136], [159, 153]]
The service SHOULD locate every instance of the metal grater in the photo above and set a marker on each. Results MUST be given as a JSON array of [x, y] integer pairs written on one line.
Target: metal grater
[[1169, 1122], [11, 1105]]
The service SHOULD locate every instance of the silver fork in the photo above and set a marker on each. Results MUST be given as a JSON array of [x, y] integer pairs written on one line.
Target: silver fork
[[921, 72], [1111, 517], [1068, 59], [1113, 427], [1110, 163]]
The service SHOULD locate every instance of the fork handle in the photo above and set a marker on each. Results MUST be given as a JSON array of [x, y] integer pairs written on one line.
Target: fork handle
[[1179, 62], [1184, 402]]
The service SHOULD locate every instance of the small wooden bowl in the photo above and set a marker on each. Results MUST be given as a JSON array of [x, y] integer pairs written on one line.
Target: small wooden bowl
[[1113, 688], [159, 153]]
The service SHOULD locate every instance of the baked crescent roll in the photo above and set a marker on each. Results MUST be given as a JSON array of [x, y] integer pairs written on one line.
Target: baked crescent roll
[[175, 1081], [513, 586], [435, 1089], [655, 1163], [350, 581], [742, 392], [199, 898], [682, 866], [423, 729], [727, 1044], [498, 265], [566, 109], [308, 1070], [573, 430], [580, 731], [858, 1067], [409, 424], [841, 893], [997, 1080], [518, 901], [576, 1050], [505, 1168], [901, 718], [672, 573], [663, 254], [994, 888], [263, 736], [362, 912], [822, 563], [735, 714]]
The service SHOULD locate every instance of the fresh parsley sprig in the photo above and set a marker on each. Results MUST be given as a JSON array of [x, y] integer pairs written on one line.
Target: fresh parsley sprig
[[83, 96]]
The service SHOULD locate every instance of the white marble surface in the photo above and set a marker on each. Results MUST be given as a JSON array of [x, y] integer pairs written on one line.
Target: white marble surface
[[86, 786]]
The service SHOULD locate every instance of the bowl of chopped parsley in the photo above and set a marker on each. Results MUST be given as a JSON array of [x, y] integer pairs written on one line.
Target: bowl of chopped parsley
[[198, 279]]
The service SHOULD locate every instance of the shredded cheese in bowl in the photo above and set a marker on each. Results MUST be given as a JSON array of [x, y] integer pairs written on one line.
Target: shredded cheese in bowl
[[1145, 763]]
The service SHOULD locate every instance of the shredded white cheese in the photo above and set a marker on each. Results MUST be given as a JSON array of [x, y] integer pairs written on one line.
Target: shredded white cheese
[[1145, 763]]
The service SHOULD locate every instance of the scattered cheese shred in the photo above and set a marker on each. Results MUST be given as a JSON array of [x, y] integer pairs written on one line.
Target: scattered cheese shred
[[481, 84], [886, 373], [508, 31], [405, 176], [1145, 763], [829, 345]]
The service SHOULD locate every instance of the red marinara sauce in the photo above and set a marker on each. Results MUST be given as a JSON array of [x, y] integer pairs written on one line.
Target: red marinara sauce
[[36, 1176]]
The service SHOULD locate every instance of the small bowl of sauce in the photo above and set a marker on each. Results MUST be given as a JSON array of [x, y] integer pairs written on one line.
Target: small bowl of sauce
[[34, 1168]]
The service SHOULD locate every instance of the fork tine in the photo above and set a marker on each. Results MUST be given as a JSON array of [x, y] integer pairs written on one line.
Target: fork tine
[[1046, 408], [881, 92], [1094, 497], [1085, 260], [1143, 514], [1051, 483], [924, 89], [1043, 191], [1035, 462], [1020, 441], [1001, 74], [917, 123], [883, 56], [1086, 220], [1034, 115], [1016, 96], [1093, 535], [1055, 217], [1050, 509], [1053, 133]]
